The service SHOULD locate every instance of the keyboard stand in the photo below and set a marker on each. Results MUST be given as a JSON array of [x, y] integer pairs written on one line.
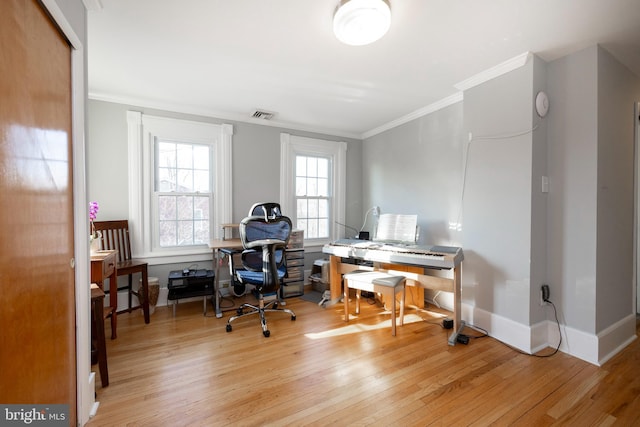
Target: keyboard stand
[[454, 336]]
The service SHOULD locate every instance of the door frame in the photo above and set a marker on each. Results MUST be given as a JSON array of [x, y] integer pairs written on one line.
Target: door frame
[[636, 240], [85, 382]]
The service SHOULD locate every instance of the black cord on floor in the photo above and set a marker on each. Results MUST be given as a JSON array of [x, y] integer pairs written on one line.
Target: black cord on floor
[[477, 328], [485, 333], [555, 311]]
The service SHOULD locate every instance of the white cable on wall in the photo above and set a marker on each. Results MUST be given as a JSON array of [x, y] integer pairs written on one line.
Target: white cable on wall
[[466, 160]]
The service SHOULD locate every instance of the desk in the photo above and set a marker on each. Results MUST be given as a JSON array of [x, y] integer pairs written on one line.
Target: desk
[[97, 329], [103, 266], [216, 245], [410, 262]]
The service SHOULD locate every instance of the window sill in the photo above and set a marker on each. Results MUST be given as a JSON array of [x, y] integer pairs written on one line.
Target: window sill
[[180, 257]]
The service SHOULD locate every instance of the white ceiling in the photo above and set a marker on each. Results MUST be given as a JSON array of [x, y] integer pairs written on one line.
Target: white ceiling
[[226, 58]]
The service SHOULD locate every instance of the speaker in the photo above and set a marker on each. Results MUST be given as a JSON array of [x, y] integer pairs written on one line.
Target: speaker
[[363, 235]]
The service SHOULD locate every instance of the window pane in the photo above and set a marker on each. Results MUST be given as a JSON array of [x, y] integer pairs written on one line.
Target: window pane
[[166, 180], [201, 232], [201, 157], [184, 156], [185, 233], [166, 154], [322, 187], [323, 167], [312, 166], [323, 227], [168, 233], [301, 211], [185, 208], [323, 208], [301, 186], [201, 208], [301, 166], [183, 168], [302, 225], [201, 181], [312, 228], [185, 181], [313, 208], [312, 187], [312, 193], [167, 207]]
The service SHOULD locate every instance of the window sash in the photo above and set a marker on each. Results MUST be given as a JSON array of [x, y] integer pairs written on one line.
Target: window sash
[[183, 175], [143, 130], [292, 146]]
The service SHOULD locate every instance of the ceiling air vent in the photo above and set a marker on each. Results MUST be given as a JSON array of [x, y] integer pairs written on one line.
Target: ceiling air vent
[[262, 114]]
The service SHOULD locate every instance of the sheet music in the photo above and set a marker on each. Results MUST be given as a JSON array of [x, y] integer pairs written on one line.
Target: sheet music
[[397, 228]]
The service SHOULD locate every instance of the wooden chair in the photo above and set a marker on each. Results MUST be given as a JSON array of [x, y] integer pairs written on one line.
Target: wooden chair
[[115, 235]]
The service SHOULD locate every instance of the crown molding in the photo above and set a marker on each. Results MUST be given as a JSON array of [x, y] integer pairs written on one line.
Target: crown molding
[[93, 5], [438, 105], [493, 72], [205, 112]]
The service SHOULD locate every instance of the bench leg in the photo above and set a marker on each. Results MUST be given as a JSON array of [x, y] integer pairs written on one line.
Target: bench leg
[[393, 312], [402, 301], [345, 298]]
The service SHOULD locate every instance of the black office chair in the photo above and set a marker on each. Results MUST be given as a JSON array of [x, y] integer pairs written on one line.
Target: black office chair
[[263, 260], [266, 210]]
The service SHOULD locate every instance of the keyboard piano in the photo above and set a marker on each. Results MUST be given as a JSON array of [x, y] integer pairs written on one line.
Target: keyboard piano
[[440, 257]]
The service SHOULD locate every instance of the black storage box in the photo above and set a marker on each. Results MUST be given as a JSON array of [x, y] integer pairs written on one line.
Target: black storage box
[[195, 283]]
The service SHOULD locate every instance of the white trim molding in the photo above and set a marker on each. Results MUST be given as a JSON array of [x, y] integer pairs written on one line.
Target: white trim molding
[[290, 146], [495, 71], [142, 131], [595, 349]]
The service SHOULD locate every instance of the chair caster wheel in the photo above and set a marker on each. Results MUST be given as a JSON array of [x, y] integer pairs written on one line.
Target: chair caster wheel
[[239, 312], [228, 328], [266, 333], [293, 317], [275, 305]]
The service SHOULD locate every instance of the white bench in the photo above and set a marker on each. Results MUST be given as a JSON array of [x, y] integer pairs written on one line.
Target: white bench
[[375, 281]]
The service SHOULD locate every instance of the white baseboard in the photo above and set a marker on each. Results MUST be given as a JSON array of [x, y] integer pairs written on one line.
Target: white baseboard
[[595, 349], [93, 405]]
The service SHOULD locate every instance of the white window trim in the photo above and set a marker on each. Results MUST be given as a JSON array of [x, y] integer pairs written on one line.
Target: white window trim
[[142, 130], [292, 145]]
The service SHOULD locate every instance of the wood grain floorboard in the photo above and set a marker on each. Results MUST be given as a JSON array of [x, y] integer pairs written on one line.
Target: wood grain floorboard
[[319, 370]]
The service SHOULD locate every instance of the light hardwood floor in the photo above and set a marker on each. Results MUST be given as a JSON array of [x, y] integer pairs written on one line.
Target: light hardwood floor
[[318, 370]]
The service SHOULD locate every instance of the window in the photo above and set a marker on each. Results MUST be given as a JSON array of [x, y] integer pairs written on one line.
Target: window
[[179, 186], [183, 179], [312, 182], [312, 196]]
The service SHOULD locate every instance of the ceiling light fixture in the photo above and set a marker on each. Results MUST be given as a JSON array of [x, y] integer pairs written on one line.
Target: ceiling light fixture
[[360, 22]]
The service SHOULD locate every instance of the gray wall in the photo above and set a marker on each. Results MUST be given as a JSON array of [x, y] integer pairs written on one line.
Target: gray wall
[[618, 89], [497, 203], [256, 166], [578, 237], [416, 168], [573, 163], [591, 163]]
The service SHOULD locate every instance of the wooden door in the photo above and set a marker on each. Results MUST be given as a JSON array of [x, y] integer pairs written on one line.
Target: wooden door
[[37, 298]]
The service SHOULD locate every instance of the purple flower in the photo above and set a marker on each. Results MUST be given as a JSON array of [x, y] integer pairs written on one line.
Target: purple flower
[[93, 211]]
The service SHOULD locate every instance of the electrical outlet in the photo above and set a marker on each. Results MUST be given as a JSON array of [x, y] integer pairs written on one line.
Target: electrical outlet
[[544, 294]]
